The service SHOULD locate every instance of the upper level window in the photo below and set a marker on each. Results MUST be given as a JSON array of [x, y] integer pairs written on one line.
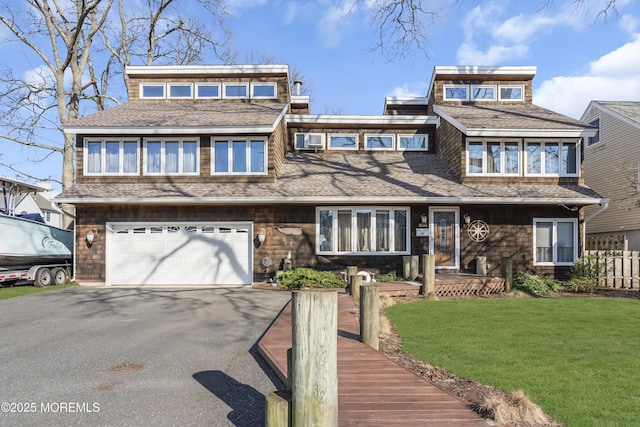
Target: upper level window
[[180, 90], [379, 142], [552, 158], [171, 157], [239, 156], [362, 230], [152, 90], [511, 93], [413, 142], [343, 142], [236, 90], [493, 157], [104, 157], [555, 241], [309, 141], [596, 138], [208, 90], [264, 90], [483, 93], [456, 92]]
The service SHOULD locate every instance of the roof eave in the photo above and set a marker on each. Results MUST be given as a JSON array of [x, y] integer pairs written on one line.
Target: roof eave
[[360, 119]]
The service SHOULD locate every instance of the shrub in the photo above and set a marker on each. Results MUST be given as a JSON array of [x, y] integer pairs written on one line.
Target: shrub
[[309, 278], [389, 277], [536, 286], [584, 274]]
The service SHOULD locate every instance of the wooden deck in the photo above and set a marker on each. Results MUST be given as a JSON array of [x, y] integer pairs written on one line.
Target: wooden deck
[[372, 389]]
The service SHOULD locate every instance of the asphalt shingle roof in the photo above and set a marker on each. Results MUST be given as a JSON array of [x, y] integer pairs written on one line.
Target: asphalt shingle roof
[[367, 177], [628, 109]]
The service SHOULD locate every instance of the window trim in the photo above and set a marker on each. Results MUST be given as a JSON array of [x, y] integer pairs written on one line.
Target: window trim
[[141, 90], [206, 84], [500, 98], [354, 234], [225, 85], [554, 243], [485, 160], [322, 137], [247, 140], [458, 86], [329, 136], [264, 84], [482, 86], [402, 135], [378, 135], [103, 158], [543, 173], [163, 141], [598, 133], [171, 84]]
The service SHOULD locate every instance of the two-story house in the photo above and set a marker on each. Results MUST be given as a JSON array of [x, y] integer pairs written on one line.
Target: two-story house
[[213, 175], [612, 168]]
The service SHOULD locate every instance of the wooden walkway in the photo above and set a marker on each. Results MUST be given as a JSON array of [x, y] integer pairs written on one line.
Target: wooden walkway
[[372, 389]]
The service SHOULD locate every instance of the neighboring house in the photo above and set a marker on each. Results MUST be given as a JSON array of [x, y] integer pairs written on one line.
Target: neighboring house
[[612, 168], [215, 174], [38, 203]]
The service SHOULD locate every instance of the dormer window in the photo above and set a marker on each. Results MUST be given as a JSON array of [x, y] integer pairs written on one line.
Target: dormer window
[[511, 93], [236, 90], [413, 142], [180, 90], [379, 142], [264, 90], [152, 90], [456, 92], [207, 90], [309, 141], [483, 93], [343, 142]]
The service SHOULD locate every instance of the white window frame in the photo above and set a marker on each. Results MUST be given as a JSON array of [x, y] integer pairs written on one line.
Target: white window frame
[[264, 84], [354, 230], [306, 139], [543, 173], [170, 85], [337, 135], [247, 141], [379, 135], [162, 85], [521, 87], [453, 86], [417, 135], [485, 157], [229, 84], [554, 242], [199, 85], [598, 134], [473, 98], [103, 157], [180, 141]]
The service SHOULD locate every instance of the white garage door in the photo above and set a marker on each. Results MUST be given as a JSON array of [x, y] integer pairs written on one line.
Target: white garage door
[[179, 254]]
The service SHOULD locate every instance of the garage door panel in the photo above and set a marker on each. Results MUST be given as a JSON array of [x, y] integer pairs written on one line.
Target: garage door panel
[[179, 254]]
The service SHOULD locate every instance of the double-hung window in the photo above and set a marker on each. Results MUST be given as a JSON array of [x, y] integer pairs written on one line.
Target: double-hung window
[[552, 158], [111, 156], [493, 158], [362, 230], [596, 138], [171, 157], [239, 156], [555, 241]]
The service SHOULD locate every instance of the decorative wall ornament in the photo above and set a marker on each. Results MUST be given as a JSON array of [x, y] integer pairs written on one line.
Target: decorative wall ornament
[[478, 230], [293, 231]]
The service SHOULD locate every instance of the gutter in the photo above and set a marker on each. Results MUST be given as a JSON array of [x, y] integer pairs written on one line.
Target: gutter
[[604, 204]]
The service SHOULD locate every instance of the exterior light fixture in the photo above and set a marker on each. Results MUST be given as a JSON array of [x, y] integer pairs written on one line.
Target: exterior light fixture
[[467, 219], [423, 218], [91, 236], [262, 234]]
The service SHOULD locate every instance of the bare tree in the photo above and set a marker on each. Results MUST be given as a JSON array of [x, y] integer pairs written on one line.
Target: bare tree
[[80, 47]]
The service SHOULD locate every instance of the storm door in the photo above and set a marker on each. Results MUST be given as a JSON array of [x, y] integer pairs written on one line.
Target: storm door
[[445, 237]]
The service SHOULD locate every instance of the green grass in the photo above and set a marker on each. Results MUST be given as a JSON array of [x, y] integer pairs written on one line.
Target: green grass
[[575, 357], [19, 291]]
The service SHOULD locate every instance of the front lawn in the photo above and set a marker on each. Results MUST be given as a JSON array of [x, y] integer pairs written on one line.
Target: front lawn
[[575, 357], [18, 291]]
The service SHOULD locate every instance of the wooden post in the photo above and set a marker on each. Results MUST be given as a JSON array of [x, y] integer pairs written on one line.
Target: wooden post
[[481, 265], [369, 316], [277, 405], [352, 270], [356, 282], [507, 272], [415, 267], [314, 380], [428, 275], [406, 266], [289, 367]]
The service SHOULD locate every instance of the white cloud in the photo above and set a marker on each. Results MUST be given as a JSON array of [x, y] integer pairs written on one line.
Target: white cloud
[[614, 77], [468, 54], [334, 22], [522, 28], [628, 23], [237, 5], [410, 89]]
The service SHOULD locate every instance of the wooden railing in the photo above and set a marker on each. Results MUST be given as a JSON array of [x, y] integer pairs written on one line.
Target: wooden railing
[[614, 269]]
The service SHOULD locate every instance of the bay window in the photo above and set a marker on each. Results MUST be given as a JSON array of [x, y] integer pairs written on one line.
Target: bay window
[[362, 230], [239, 156], [171, 157], [111, 156], [555, 241]]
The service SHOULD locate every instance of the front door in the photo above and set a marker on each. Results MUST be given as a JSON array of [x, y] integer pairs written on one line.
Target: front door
[[445, 237]]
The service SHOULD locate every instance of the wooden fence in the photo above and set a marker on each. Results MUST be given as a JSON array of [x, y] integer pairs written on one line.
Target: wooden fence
[[615, 269], [618, 242]]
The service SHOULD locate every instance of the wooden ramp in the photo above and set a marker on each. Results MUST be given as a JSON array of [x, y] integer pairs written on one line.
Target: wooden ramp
[[372, 389]]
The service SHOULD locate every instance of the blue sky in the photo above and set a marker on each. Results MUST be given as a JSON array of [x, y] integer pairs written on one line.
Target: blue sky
[[577, 57]]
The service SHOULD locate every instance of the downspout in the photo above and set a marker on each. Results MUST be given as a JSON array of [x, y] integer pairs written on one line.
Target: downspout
[[604, 204]]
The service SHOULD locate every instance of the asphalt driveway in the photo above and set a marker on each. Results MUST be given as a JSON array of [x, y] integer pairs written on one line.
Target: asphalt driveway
[[133, 357]]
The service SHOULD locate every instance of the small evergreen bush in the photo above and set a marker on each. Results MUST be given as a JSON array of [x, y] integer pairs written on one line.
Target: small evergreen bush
[[536, 286], [583, 276], [390, 277], [309, 278]]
